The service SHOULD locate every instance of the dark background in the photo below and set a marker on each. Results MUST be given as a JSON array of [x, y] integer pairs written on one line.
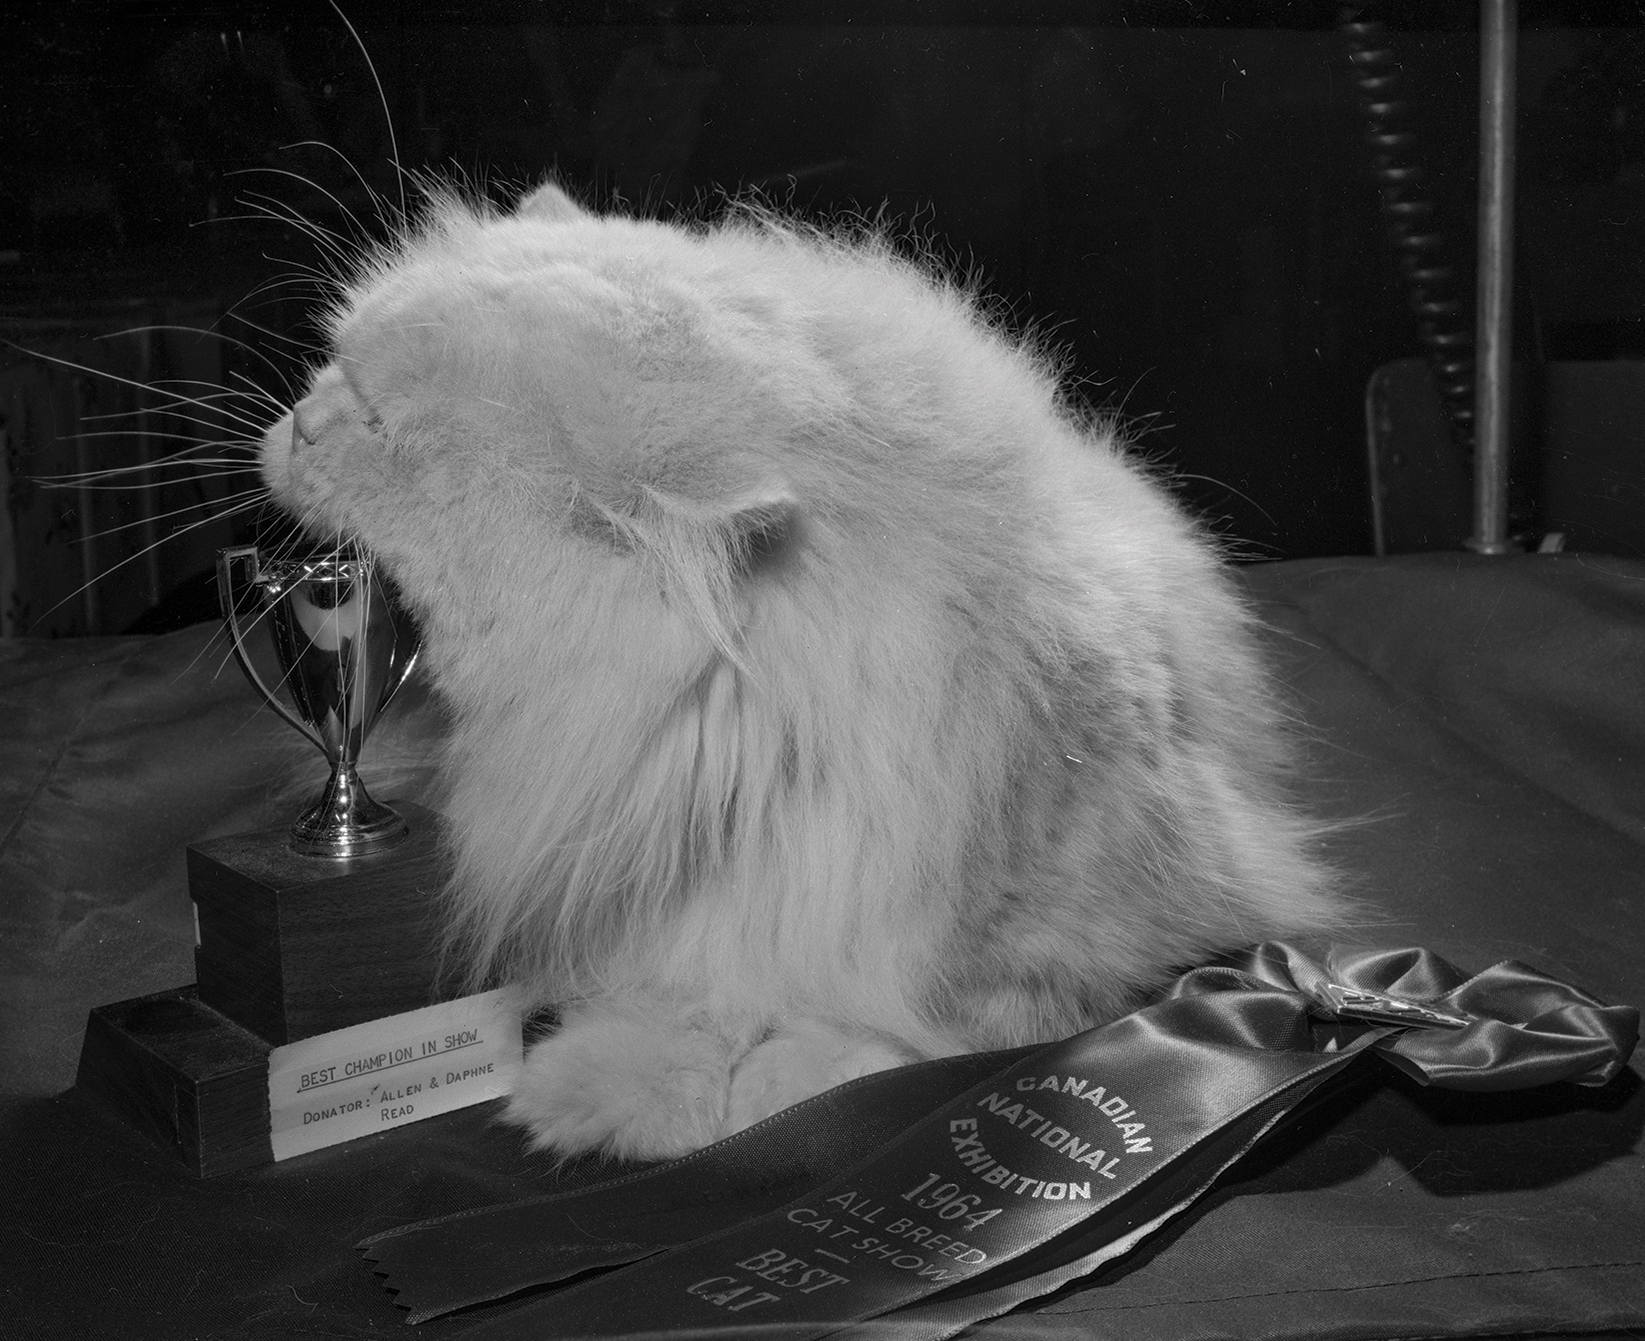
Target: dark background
[[1179, 193]]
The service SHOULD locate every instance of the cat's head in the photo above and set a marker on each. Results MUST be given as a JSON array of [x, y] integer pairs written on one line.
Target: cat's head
[[535, 418], [628, 436]]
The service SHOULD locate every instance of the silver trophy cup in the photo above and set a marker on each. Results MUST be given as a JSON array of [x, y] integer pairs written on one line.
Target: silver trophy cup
[[344, 647]]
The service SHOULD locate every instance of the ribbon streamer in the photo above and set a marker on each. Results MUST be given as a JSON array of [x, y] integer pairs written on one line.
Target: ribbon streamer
[[974, 1184]]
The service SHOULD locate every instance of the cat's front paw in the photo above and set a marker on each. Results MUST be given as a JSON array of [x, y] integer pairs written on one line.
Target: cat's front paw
[[625, 1081], [802, 1058]]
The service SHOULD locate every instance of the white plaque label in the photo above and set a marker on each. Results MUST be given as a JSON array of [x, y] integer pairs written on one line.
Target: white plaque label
[[388, 1072]]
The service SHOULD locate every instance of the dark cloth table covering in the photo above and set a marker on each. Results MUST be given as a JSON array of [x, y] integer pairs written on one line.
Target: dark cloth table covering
[[1482, 721]]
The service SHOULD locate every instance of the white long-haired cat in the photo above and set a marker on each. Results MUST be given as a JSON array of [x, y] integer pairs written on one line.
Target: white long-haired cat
[[826, 693]]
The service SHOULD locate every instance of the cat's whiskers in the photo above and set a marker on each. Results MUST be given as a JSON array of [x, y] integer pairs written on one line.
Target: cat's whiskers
[[90, 479], [148, 388], [382, 99], [273, 208], [377, 198], [166, 412], [251, 391], [236, 502], [330, 244], [264, 611], [1223, 484], [328, 282], [303, 274], [305, 346], [250, 498], [169, 409], [209, 420], [194, 444], [217, 399], [215, 396], [312, 228], [222, 337]]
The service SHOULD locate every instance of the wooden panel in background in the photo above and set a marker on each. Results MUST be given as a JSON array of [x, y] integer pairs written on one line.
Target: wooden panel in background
[[91, 557]]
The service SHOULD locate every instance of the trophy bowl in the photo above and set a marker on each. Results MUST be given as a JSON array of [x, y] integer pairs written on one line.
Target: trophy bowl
[[344, 646]]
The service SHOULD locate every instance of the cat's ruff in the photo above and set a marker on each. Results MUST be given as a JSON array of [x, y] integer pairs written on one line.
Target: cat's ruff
[[825, 691]]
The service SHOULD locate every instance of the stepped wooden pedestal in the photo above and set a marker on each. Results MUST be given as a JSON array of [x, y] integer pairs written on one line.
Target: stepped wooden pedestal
[[287, 947]]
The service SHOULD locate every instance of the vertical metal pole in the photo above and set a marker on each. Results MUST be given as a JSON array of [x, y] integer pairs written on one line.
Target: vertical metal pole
[[1498, 25]]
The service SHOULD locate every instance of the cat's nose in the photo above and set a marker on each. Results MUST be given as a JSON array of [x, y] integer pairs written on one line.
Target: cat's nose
[[298, 436]]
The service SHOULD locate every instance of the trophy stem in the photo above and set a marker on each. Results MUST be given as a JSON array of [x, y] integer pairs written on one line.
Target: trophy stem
[[345, 821]]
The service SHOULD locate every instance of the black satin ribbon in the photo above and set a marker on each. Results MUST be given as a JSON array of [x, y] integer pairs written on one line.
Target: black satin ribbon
[[973, 1184], [471, 1257]]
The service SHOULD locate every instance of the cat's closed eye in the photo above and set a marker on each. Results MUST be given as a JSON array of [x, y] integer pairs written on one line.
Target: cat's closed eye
[[766, 541]]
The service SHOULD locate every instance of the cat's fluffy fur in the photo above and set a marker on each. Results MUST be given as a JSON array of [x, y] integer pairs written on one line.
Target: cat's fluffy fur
[[826, 691]]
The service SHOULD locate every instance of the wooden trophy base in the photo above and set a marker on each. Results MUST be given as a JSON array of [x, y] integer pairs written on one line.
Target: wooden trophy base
[[288, 947], [291, 946], [184, 1073]]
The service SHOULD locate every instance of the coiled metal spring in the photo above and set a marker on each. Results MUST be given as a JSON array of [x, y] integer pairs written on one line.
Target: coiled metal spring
[[1447, 341]]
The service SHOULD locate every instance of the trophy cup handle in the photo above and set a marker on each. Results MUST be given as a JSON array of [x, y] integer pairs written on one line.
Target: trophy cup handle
[[247, 554], [390, 691]]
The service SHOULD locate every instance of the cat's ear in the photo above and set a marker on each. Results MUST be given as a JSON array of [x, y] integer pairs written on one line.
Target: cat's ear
[[549, 204]]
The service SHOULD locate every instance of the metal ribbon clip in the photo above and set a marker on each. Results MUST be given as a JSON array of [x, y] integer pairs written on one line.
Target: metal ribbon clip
[[1355, 1003]]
